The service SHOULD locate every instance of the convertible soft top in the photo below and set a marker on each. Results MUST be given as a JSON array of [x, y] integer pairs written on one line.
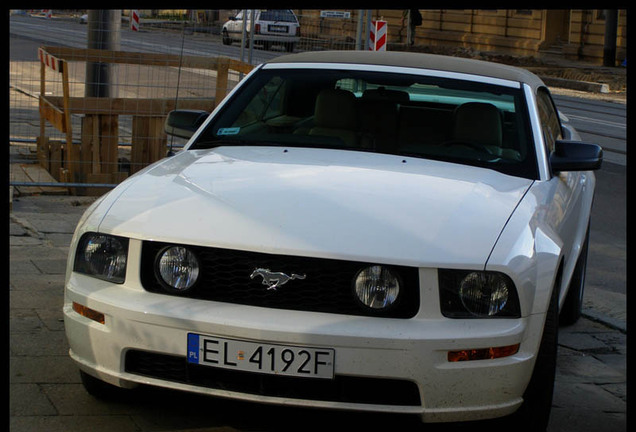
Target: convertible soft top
[[417, 60]]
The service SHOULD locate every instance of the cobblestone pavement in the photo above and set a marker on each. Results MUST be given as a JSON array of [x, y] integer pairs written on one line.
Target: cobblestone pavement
[[45, 392]]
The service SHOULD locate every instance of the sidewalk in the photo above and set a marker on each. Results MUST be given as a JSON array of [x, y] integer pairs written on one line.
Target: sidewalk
[[46, 394], [557, 72]]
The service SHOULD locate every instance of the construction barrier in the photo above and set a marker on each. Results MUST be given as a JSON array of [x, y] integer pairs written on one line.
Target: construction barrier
[[94, 158], [378, 36], [134, 20]]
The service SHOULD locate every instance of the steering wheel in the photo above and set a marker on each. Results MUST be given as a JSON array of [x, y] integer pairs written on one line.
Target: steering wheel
[[471, 145]]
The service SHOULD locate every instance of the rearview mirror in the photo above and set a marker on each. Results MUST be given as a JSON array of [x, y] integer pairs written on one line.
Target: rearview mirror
[[184, 123], [575, 156]]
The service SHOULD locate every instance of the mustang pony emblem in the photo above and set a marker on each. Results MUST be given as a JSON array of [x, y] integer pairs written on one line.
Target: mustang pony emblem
[[274, 279]]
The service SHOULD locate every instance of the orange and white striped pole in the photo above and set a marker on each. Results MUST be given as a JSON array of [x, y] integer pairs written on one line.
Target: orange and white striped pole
[[134, 20]]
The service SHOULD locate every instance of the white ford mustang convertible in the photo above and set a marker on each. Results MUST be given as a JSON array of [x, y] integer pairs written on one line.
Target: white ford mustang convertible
[[391, 232]]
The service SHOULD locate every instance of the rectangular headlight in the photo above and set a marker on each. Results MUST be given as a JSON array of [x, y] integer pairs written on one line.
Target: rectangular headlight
[[102, 256]]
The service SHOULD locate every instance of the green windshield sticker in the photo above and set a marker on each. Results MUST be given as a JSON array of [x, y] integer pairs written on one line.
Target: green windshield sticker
[[228, 131]]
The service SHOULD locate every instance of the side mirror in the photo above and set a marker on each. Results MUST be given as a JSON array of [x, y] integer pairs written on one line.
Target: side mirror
[[184, 123], [575, 156]]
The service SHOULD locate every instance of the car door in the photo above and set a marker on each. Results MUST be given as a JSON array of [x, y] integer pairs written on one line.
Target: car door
[[569, 197], [235, 27]]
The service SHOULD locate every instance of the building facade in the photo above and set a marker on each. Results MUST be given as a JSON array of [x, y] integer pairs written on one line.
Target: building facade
[[573, 33]]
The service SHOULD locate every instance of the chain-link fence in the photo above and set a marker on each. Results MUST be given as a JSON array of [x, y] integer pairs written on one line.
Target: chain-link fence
[[89, 90]]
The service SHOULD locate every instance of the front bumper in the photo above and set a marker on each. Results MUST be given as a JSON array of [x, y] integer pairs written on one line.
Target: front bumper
[[381, 355]]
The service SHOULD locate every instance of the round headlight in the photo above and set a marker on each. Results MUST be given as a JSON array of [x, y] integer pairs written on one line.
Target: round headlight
[[377, 287], [178, 268], [104, 257], [484, 294]]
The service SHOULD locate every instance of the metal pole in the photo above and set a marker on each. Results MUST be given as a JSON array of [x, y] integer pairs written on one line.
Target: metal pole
[[367, 31], [359, 29], [104, 32], [252, 26], [244, 34], [409, 29]]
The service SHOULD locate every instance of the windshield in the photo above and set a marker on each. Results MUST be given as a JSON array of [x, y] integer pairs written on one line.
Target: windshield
[[410, 115]]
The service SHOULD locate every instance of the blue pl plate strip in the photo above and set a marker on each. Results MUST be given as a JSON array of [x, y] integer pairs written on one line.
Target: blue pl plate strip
[[193, 348]]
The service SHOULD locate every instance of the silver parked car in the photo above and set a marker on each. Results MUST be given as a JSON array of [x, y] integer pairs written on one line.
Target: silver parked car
[[271, 27]]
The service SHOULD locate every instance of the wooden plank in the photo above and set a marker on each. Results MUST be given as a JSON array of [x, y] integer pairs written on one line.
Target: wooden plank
[[96, 161], [50, 111], [56, 158], [17, 174], [33, 173], [42, 92], [119, 176], [105, 178], [43, 152], [109, 133], [86, 146], [157, 139], [221, 82], [131, 106], [130, 57], [148, 142], [39, 175], [139, 58], [138, 150], [240, 66]]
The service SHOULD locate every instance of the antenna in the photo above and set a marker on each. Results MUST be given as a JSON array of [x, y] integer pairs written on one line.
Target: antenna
[[176, 98]]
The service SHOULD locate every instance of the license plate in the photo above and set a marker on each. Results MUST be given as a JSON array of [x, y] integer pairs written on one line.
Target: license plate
[[260, 357], [277, 28]]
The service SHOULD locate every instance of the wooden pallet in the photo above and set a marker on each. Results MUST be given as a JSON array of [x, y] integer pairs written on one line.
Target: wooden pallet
[[33, 173]]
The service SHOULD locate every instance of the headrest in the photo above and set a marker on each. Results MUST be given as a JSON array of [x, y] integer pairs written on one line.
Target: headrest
[[478, 122], [335, 109]]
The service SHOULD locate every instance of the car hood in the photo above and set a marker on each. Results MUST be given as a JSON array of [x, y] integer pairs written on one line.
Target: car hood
[[316, 202]]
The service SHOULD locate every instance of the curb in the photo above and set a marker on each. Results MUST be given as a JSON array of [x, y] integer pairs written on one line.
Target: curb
[[585, 86], [610, 322]]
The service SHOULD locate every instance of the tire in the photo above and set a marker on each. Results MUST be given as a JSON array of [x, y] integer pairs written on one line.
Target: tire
[[289, 46], [100, 389], [534, 413], [573, 305], [225, 38]]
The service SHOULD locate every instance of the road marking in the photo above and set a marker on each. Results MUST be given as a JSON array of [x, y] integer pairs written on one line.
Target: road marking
[[596, 121]]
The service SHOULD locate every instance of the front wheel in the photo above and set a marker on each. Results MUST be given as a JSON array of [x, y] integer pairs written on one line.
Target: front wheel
[[534, 413], [573, 305], [226, 38]]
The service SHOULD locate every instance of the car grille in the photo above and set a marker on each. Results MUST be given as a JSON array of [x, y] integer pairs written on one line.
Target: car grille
[[327, 287], [340, 389]]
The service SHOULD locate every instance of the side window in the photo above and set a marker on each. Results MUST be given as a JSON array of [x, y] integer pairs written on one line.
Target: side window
[[549, 118]]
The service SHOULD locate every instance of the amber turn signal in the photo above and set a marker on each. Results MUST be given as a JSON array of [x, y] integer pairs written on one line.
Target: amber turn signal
[[89, 313], [483, 354]]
